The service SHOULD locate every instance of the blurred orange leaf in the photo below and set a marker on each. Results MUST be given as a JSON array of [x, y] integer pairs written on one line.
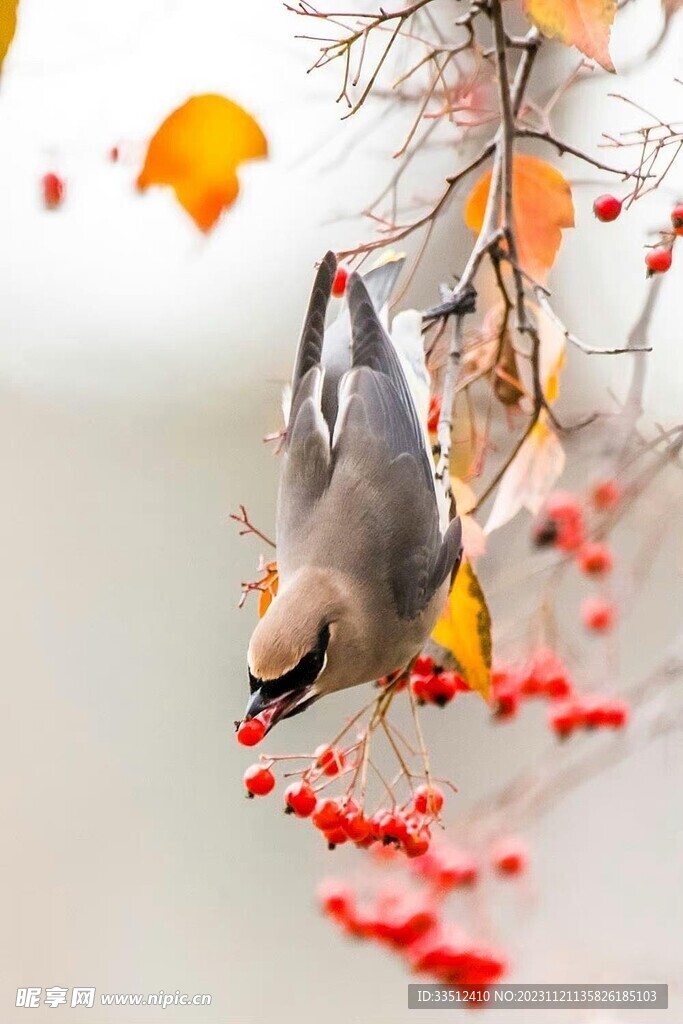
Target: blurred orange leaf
[[464, 629], [8, 26], [267, 588], [542, 206], [197, 151], [584, 24]]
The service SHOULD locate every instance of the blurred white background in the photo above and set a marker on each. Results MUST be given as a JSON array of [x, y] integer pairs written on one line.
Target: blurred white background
[[140, 366]]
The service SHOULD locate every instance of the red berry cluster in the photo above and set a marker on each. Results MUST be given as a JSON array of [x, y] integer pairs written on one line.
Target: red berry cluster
[[407, 916], [545, 676], [340, 819], [587, 711], [542, 676], [432, 684], [446, 867], [563, 525]]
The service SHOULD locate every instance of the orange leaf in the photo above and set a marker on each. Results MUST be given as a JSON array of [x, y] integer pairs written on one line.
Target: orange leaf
[[584, 24], [268, 588], [197, 151], [542, 206], [8, 25]]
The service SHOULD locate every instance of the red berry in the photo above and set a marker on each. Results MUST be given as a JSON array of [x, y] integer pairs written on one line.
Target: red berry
[[356, 826], [327, 814], [251, 732], [616, 714], [658, 261], [329, 759], [434, 413], [53, 191], [506, 686], [607, 207], [428, 800], [424, 665], [438, 687], [392, 827], [606, 495], [339, 283], [300, 799], [416, 842], [510, 857], [564, 718], [595, 559], [546, 676], [419, 684], [444, 687], [564, 511], [114, 154], [336, 898], [259, 780], [598, 614], [335, 836], [677, 218]]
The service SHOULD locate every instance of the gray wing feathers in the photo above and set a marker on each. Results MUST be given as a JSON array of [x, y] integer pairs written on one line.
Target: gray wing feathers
[[380, 282], [306, 464], [313, 331], [372, 348]]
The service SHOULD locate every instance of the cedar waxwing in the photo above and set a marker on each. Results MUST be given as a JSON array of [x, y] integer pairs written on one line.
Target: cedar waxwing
[[363, 568]]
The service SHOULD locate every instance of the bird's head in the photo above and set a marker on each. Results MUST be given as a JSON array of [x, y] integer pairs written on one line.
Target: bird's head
[[293, 647]]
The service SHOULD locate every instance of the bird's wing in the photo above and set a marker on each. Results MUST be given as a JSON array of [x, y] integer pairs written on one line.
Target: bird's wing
[[306, 458], [336, 356], [373, 349], [379, 442], [310, 347]]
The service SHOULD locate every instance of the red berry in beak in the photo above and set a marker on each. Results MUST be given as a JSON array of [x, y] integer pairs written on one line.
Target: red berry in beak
[[250, 733]]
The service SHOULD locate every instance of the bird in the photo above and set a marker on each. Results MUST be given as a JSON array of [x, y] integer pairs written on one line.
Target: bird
[[364, 567]]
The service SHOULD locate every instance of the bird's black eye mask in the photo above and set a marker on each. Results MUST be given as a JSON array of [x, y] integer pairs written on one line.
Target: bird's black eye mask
[[302, 675]]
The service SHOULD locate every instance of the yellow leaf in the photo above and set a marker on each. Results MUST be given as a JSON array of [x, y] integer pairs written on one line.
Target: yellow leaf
[[8, 26], [197, 151], [542, 206], [530, 477], [584, 24], [464, 629]]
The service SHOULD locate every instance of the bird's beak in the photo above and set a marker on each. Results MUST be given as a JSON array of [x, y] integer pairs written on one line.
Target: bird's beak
[[272, 709]]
